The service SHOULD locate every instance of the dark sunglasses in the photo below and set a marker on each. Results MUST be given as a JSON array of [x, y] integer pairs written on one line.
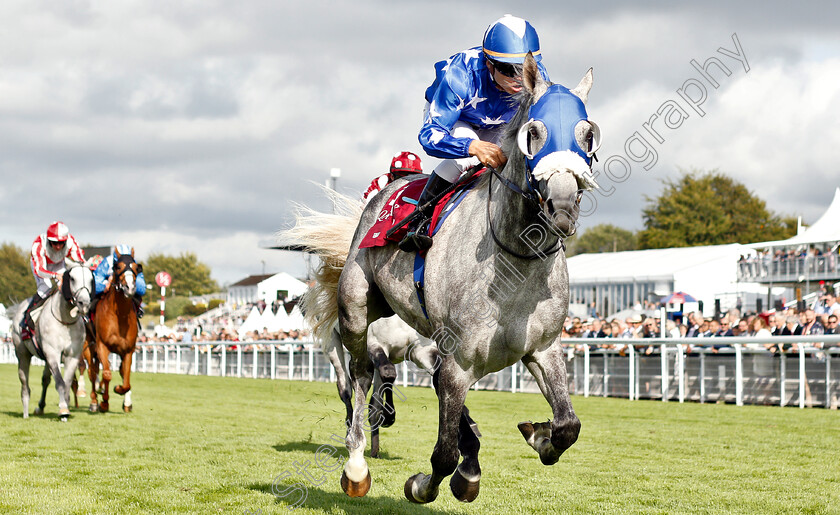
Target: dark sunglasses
[[506, 69], [58, 243]]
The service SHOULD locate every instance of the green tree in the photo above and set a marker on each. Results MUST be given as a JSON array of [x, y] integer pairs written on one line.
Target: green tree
[[602, 238], [189, 275], [16, 281], [709, 209]]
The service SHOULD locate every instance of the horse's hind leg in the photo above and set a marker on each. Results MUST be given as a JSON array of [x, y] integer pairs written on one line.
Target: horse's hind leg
[[93, 372], [375, 414], [70, 365], [551, 439], [46, 376], [24, 359], [125, 388], [452, 388], [335, 353]]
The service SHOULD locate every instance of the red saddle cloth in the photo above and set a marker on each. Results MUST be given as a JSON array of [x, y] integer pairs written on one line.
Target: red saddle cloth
[[401, 204]]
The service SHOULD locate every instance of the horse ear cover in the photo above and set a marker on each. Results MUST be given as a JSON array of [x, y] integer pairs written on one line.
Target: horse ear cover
[[65, 286]]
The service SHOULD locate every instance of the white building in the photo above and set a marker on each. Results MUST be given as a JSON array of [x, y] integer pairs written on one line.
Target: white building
[[267, 288], [618, 280]]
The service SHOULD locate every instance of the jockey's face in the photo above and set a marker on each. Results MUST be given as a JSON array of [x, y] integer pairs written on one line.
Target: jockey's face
[[508, 84], [57, 245]]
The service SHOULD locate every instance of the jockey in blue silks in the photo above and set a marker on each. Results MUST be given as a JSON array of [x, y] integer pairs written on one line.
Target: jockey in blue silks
[[467, 107], [104, 273]]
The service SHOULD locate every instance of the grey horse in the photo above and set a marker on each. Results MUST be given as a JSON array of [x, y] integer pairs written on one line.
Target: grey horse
[[496, 289], [60, 330]]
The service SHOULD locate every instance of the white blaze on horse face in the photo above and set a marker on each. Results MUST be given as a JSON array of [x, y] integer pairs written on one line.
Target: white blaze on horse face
[[130, 285]]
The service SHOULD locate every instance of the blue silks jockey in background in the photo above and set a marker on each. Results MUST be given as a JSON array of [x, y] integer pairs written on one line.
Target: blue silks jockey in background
[[104, 274]]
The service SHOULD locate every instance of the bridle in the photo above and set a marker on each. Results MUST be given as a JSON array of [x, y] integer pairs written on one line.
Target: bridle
[[535, 200], [127, 260], [71, 298]]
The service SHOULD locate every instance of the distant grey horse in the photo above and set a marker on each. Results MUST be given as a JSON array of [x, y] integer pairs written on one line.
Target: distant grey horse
[[60, 330], [496, 288]]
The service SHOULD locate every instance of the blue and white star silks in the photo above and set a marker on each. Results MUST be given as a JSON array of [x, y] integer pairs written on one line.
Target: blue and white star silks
[[463, 90]]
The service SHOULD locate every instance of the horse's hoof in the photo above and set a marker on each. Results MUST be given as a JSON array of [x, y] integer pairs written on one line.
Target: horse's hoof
[[93, 408], [38, 411], [463, 489], [128, 408], [354, 489], [63, 414], [408, 489], [81, 393], [103, 407]]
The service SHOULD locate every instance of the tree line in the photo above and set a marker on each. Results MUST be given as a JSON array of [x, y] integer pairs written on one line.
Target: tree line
[[697, 208]]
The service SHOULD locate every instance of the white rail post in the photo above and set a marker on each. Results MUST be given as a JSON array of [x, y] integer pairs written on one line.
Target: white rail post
[[586, 377], [513, 377], [291, 362], [178, 357], [606, 375], [739, 376], [166, 359], [828, 377], [663, 352], [311, 363], [802, 378], [405, 374], [631, 372], [239, 361], [783, 379], [256, 361], [154, 359], [702, 376], [224, 360], [145, 348], [681, 369], [209, 358], [273, 371], [195, 364]]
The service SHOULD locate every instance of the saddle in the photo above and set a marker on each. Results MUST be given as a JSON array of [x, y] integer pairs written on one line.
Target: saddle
[[403, 203]]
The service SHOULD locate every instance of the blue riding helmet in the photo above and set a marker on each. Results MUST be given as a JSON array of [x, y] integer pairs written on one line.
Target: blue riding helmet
[[509, 39], [122, 249]]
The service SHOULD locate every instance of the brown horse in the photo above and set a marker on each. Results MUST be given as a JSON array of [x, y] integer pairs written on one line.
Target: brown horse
[[115, 330]]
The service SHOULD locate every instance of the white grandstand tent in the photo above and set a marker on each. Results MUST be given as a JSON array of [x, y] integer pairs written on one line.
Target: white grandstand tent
[[824, 230], [280, 321], [295, 320], [618, 280], [251, 323]]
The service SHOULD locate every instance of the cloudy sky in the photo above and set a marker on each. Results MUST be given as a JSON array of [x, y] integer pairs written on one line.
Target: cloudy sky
[[192, 126]]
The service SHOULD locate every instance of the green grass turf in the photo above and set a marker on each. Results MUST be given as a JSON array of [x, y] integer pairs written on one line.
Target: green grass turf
[[214, 445]]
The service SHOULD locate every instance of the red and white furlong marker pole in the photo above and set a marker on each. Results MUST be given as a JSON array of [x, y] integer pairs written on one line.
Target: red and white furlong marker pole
[[163, 280]]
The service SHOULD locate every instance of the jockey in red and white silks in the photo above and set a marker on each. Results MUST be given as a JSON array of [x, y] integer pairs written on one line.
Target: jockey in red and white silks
[[404, 163], [48, 253]]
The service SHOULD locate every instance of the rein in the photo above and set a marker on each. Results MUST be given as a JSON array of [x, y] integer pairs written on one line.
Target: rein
[[70, 298], [535, 199]]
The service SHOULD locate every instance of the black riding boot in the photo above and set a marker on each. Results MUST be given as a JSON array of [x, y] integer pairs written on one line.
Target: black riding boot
[[138, 304], [27, 325], [415, 240]]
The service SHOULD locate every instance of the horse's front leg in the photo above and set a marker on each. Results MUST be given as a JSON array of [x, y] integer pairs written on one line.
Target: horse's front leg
[[102, 354], [452, 386], [54, 368], [383, 393], [70, 365], [125, 373], [24, 360], [551, 439]]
